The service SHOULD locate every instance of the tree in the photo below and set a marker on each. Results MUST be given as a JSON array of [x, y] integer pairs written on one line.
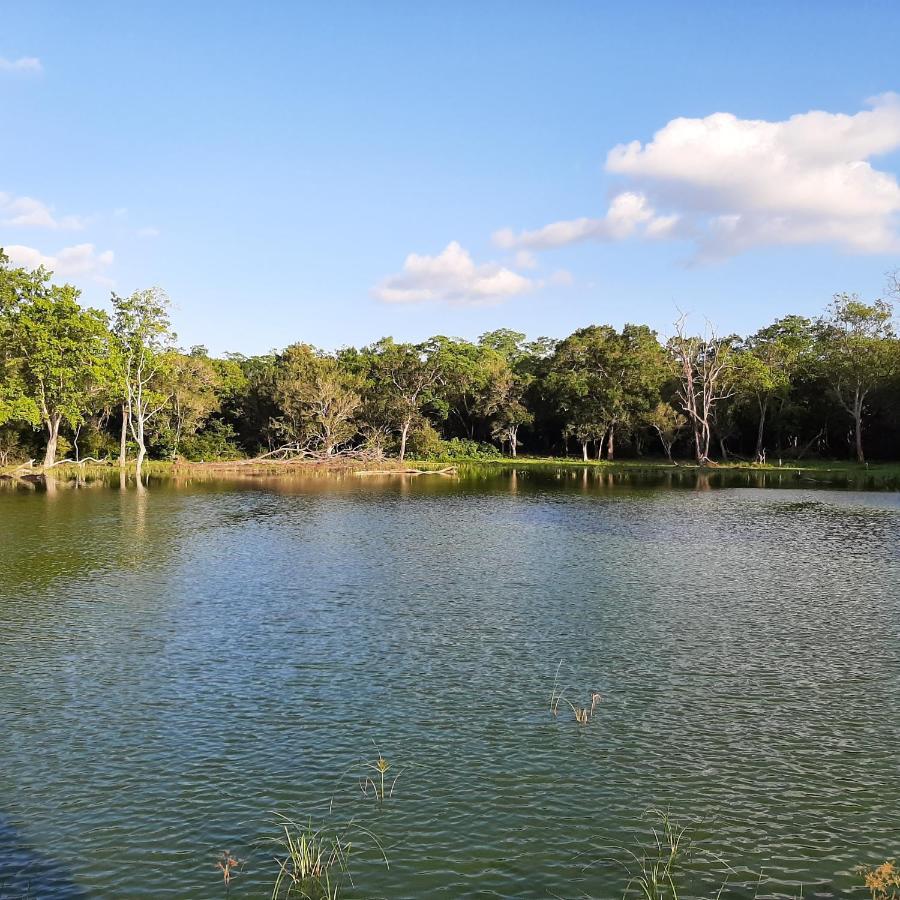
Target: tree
[[604, 379], [507, 408], [858, 352], [316, 397], [408, 374], [64, 354], [768, 367], [194, 383], [17, 286], [141, 326], [704, 367], [668, 423]]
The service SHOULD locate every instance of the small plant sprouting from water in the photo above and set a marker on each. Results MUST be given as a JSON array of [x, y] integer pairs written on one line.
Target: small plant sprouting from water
[[377, 782], [313, 862], [228, 865], [583, 714], [882, 881], [657, 866], [662, 868]]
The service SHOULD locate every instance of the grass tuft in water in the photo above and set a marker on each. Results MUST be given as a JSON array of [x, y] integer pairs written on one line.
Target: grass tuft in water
[[583, 714], [313, 863], [882, 881]]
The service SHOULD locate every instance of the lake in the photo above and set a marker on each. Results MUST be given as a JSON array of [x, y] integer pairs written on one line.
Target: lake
[[180, 665]]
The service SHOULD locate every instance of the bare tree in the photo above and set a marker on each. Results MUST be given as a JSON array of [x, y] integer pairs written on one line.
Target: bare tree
[[704, 368]]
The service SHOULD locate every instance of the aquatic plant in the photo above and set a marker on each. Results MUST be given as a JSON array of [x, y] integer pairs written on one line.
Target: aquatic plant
[[377, 782], [658, 867], [313, 862], [671, 864], [882, 881], [583, 714], [228, 864], [308, 861]]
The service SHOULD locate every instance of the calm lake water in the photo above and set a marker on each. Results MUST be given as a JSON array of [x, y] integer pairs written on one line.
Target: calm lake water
[[178, 666]]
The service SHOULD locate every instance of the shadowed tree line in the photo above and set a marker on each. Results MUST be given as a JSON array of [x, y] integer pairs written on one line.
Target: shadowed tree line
[[76, 383]]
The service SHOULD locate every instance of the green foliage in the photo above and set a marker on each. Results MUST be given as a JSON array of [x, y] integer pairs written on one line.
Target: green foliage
[[455, 450], [317, 399], [217, 441], [792, 388]]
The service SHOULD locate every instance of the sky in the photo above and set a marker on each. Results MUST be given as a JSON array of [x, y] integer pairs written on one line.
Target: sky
[[333, 173]]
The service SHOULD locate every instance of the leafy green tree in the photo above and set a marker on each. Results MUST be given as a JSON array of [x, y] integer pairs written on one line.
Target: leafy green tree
[[65, 359], [604, 380], [406, 376], [668, 423], [194, 383], [768, 367], [858, 352], [17, 286], [317, 398]]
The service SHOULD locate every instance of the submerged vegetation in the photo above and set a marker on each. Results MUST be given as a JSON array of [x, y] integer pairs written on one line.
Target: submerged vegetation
[[81, 386]]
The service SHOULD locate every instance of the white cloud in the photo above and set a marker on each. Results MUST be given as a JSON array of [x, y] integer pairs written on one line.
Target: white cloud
[[23, 64], [452, 277], [149, 232], [629, 213], [728, 184], [28, 212], [81, 260]]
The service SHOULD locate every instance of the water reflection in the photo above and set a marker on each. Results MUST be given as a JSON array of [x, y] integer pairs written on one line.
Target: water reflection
[[177, 663]]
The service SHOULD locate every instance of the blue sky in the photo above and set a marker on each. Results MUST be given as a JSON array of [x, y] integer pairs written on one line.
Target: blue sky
[[273, 166]]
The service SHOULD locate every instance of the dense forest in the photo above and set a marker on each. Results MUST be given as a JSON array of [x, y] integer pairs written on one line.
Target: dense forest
[[76, 383]]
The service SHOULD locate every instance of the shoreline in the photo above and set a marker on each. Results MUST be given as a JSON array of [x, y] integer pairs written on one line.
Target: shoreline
[[880, 475]]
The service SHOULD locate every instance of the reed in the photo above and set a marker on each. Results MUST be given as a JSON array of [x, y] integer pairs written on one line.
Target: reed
[[583, 714], [311, 862]]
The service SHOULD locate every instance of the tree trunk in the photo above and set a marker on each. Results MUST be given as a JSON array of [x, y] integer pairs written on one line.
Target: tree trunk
[[860, 456], [610, 443], [404, 433], [513, 441], [142, 449], [760, 455], [584, 453], [52, 440], [123, 439]]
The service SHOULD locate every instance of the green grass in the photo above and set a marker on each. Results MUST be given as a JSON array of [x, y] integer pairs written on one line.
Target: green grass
[[878, 475]]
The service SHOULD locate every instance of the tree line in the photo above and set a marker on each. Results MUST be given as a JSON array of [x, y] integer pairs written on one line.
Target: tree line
[[77, 383]]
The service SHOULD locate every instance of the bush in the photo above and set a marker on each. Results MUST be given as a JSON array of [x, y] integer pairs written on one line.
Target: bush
[[217, 440], [455, 450]]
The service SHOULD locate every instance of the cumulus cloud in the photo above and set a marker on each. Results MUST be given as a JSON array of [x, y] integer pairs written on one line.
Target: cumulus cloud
[[22, 64], [79, 261], [629, 213], [26, 211], [728, 184], [452, 277]]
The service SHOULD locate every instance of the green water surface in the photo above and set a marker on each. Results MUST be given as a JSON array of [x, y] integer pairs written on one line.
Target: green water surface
[[178, 665]]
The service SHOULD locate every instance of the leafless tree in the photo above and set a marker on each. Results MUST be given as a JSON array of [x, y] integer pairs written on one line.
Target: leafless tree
[[704, 367]]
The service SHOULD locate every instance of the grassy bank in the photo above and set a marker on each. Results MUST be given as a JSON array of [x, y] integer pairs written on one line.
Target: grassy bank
[[878, 475]]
